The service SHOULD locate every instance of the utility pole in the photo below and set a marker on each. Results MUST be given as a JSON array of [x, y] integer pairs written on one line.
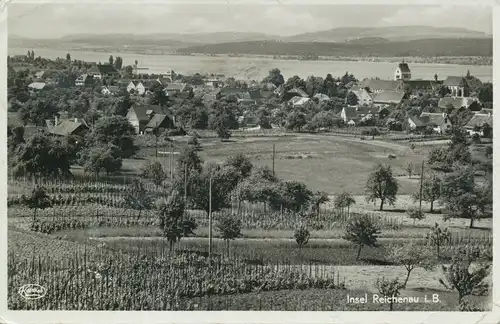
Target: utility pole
[[185, 189], [421, 185], [210, 219], [156, 140], [171, 162], [274, 150]]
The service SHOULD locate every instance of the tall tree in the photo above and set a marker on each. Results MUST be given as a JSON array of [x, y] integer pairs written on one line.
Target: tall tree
[[111, 60], [275, 77], [229, 228], [170, 211], [362, 230], [381, 184], [68, 57], [138, 197], [39, 199], [116, 130], [431, 190]]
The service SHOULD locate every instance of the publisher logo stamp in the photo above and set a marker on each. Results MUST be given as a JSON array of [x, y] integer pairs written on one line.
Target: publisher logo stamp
[[32, 291]]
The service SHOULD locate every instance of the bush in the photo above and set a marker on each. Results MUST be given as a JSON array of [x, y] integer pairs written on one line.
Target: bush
[[415, 214], [302, 236]]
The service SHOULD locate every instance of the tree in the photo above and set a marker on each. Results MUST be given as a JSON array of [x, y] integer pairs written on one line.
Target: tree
[[68, 57], [15, 137], [411, 256], [301, 236], [291, 195], [170, 212], [409, 169], [296, 121], [36, 111], [154, 172], [415, 214], [101, 157], [189, 160], [241, 163], [229, 228], [462, 197], [344, 200], [222, 118], [352, 99], [487, 130], [389, 288], [318, 198], [116, 130], [39, 199], [42, 155], [111, 60], [382, 185], [438, 236], [460, 276], [362, 230], [275, 77], [431, 190], [138, 197], [118, 63]]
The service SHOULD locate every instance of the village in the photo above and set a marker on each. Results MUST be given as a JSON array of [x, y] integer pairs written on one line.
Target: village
[[369, 102], [280, 193]]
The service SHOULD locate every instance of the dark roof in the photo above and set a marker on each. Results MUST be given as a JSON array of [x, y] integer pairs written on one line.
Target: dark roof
[[157, 121], [141, 111], [404, 67], [376, 85], [113, 88], [479, 120], [455, 81], [66, 127], [350, 112], [457, 103], [388, 97], [298, 92], [417, 121], [255, 94], [422, 84], [103, 68], [432, 119]]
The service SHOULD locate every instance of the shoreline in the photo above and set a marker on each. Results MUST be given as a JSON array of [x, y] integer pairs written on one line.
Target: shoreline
[[442, 60]]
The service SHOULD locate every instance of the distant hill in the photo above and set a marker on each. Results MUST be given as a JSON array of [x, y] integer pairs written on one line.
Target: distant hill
[[422, 47], [395, 33], [368, 41]]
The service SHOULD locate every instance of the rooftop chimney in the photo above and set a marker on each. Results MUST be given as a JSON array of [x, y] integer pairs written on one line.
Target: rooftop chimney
[[76, 120]]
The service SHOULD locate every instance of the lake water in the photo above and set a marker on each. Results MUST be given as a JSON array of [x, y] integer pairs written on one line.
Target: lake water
[[257, 68]]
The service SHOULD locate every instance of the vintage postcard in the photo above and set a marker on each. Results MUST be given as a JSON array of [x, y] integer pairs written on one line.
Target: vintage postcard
[[217, 156]]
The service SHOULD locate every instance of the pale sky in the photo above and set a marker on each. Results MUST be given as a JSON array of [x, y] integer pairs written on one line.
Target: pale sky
[[56, 20]]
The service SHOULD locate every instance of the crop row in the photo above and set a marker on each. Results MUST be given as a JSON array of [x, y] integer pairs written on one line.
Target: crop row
[[145, 282]]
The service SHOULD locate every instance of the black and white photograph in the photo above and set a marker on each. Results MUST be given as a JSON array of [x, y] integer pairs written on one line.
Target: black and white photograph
[[249, 157]]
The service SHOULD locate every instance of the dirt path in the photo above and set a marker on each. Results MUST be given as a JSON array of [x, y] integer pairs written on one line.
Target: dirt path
[[334, 137]]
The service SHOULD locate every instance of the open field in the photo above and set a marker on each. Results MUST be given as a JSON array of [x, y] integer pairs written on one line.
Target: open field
[[323, 162]]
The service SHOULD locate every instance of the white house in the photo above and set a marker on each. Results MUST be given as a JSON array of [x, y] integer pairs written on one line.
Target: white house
[[440, 122], [402, 72], [475, 125], [137, 87], [364, 97], [81, 80]]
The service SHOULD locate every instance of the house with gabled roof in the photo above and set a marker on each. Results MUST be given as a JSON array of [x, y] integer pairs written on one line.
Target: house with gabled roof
[[476, 123], [458, 103], [84, 80], [100, 71], [69, 127], [139, 115], [377, 85], [387, 97], [422, 86], [293, 93], [440, 122], [37, 86], [402, 72], [137, 87], [159, 123], [364, 97], [175, 88]]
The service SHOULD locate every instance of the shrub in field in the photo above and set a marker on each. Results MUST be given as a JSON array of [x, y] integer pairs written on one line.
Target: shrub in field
[[241, 163], [415, 214], [362, 231], [229, 228], [438, 236], [463, 278], [138, 197], [154, 172], [382, 185], [39, 199], [344, 200], [318, 198], [409, 169], [411, 256], [389, 288], [301, 236]]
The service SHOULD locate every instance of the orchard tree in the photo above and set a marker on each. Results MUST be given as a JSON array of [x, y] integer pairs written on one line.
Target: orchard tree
[[381, 184], [229, 228], [463, 278], [154, 172], [438, 236], [344, 200], [39, 199], [362, 230], [101, 157], [138, 197], [241, 163], [415, 214], [170, 211], [116, 130], [431, 190], [409, 169], [389, 289], [317, 199], [296, 121], [275, 77], [411, 256]]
